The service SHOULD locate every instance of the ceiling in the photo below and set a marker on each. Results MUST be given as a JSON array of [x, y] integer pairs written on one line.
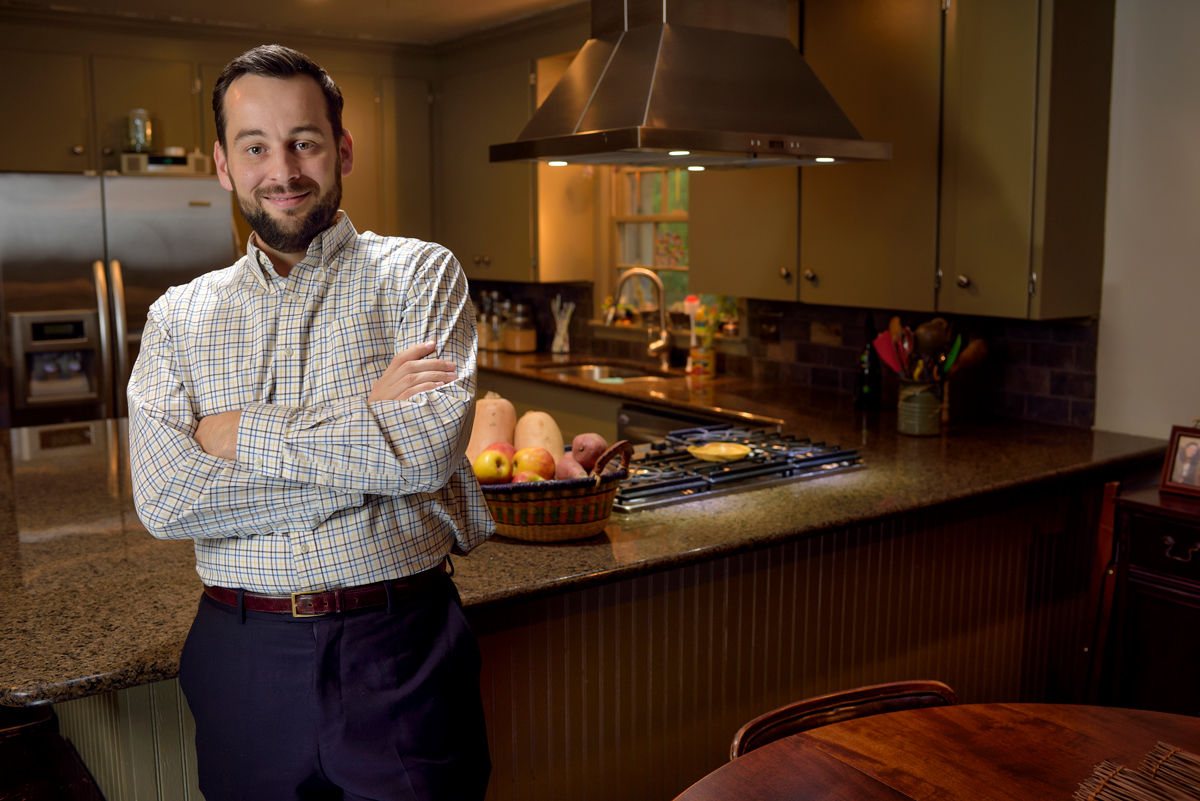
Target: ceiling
[[424, 22]]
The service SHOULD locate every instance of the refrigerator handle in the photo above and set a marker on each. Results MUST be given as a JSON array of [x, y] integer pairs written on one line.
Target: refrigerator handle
[[120, 336], [103, 313]]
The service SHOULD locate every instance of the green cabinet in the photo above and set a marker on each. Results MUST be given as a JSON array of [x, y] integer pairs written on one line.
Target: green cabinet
[[48, 113], [1007, 221], [1024, 170], [485, 210], [843, 234]]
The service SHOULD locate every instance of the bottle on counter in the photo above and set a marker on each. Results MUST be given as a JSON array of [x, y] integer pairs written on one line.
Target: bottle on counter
[[520, 334], [483, 322], [868, 381]]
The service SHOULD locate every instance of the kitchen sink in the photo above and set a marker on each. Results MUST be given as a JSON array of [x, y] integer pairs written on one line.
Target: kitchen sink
[[602, 371]]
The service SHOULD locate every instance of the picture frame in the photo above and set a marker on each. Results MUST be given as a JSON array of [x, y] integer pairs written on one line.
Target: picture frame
[[1181, 468]]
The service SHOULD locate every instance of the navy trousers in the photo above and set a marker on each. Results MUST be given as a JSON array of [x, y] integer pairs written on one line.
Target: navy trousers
[[380, 704]]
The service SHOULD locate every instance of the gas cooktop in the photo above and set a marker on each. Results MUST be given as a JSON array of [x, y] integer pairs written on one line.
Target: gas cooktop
[[664, 473]]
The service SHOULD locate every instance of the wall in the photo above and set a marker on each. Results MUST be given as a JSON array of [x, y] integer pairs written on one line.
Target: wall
[[1149, 343]]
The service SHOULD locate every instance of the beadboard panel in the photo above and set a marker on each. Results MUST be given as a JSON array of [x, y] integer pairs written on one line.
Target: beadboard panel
[[634, 690]]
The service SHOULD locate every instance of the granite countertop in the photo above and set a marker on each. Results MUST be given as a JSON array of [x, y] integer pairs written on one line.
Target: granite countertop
[[92, 603]]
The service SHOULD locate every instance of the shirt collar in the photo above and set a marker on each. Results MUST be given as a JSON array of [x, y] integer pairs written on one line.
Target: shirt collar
[[322, 252]]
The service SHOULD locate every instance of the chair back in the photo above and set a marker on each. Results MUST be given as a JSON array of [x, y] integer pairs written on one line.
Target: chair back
[[837, 707]]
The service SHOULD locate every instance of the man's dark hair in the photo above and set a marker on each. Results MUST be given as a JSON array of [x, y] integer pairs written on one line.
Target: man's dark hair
[[277, 61]]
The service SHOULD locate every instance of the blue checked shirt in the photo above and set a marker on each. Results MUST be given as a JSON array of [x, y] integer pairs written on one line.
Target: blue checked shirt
[[327, 491]]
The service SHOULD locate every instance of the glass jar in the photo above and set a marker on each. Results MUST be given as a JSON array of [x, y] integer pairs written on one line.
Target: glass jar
[[139, 137], [520, 335]]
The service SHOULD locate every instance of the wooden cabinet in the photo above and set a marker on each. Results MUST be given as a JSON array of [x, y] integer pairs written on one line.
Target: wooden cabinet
[[1157, 605], [169, 90], [1025, 157], [844, 234], [1019, 227], [485, 210], [48, 113], [514, 221]]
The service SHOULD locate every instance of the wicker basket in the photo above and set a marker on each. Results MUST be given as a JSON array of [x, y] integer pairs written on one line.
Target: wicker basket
[[555, 511]]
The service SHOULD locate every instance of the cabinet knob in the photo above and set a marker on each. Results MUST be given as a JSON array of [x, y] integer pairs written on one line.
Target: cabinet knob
[[487, 260], [477, 259], [963, 281], [77, 150], [809, 275], [108, 151], [785, 273]]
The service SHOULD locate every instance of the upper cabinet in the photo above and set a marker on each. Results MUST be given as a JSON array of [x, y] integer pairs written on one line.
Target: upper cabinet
[[49, 113], [511, 221], [484, 210], [846, 234], [168, 90], [1024, 169], [1019, 228]]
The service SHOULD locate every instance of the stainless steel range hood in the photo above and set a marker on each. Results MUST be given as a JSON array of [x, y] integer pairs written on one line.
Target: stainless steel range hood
[[715, 78]]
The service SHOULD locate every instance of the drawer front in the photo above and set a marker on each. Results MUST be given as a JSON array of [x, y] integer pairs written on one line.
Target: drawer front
[[1165, 546]]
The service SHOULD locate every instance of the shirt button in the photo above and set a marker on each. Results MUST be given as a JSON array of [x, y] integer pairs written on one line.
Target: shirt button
[[300, 549], [258, 463], [287, 351]]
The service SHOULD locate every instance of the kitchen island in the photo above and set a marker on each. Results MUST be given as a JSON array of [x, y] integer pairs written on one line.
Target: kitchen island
[[619, 666]]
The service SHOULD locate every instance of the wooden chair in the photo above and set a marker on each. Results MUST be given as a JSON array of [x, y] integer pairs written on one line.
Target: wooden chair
[[836, 707]]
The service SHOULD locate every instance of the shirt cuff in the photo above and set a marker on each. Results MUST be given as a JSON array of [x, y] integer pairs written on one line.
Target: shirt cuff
[[261, 438]]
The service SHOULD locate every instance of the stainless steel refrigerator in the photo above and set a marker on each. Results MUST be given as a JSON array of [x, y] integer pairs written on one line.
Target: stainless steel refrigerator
[[81, 259]]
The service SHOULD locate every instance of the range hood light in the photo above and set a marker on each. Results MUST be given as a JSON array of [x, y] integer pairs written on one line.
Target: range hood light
[[825, 160], [563, 163], [695, 168], [680, 153]]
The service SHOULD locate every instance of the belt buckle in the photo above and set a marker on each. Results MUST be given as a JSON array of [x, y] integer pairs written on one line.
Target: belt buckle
[[296, 613]]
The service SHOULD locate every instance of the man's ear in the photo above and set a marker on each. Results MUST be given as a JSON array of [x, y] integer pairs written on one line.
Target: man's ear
[[222, 166], [346, 150]]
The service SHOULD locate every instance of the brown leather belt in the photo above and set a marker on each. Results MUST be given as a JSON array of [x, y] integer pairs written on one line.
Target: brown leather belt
[[328, 602]]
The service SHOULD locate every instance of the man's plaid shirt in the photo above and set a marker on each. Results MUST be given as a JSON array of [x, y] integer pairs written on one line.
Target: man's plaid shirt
[[327, 491]]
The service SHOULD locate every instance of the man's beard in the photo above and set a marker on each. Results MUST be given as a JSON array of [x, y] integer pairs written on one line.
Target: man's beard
[[293, 234]]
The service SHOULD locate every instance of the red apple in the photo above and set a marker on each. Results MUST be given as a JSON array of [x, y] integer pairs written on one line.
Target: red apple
[[526, 475], [493, 467], [586, 448], [504, 447], [569, 468], [534, 459]]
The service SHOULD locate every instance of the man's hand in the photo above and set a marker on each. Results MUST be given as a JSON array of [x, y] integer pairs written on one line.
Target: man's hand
[[410, 372], [217, 434]]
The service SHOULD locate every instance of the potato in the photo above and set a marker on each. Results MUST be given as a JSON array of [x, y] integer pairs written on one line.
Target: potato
[[586, 448], [567, 467], [539, 428]]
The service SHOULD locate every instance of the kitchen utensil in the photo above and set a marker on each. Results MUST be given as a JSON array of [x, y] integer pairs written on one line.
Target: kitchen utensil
[[886, 349], [948, 362], [895, 329], [972, 354], [932, 337], [719, 451], [562, 319]]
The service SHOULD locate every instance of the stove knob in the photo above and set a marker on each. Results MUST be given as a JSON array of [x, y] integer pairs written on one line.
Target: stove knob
[[658, 446]]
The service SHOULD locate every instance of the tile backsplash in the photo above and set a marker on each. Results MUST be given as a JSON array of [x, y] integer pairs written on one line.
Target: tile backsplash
[[1044, 371]]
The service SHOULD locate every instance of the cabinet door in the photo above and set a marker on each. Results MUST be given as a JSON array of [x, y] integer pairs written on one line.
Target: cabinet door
[[407, 187], [41, 136], [991, 83], [742, 227], [169, 90], [362, 189], [868, 231], [484, 209]]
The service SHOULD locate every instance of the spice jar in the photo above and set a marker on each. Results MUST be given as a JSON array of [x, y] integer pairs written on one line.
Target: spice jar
[[520, 335]]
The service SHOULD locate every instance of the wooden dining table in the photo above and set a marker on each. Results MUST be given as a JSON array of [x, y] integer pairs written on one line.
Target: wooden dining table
[[972, 751]]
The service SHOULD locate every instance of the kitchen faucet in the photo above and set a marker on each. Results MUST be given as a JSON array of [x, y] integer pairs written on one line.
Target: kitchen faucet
[[660, 347]]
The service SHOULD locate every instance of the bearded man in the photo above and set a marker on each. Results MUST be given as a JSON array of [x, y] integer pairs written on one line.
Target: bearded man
[[302, 416]]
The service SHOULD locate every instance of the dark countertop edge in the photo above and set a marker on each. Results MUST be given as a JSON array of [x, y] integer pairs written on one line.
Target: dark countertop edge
[[699, 555], [39, 695]]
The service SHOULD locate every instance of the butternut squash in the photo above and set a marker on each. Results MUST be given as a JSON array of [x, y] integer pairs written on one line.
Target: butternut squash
[[495, 421], [539, 428]]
